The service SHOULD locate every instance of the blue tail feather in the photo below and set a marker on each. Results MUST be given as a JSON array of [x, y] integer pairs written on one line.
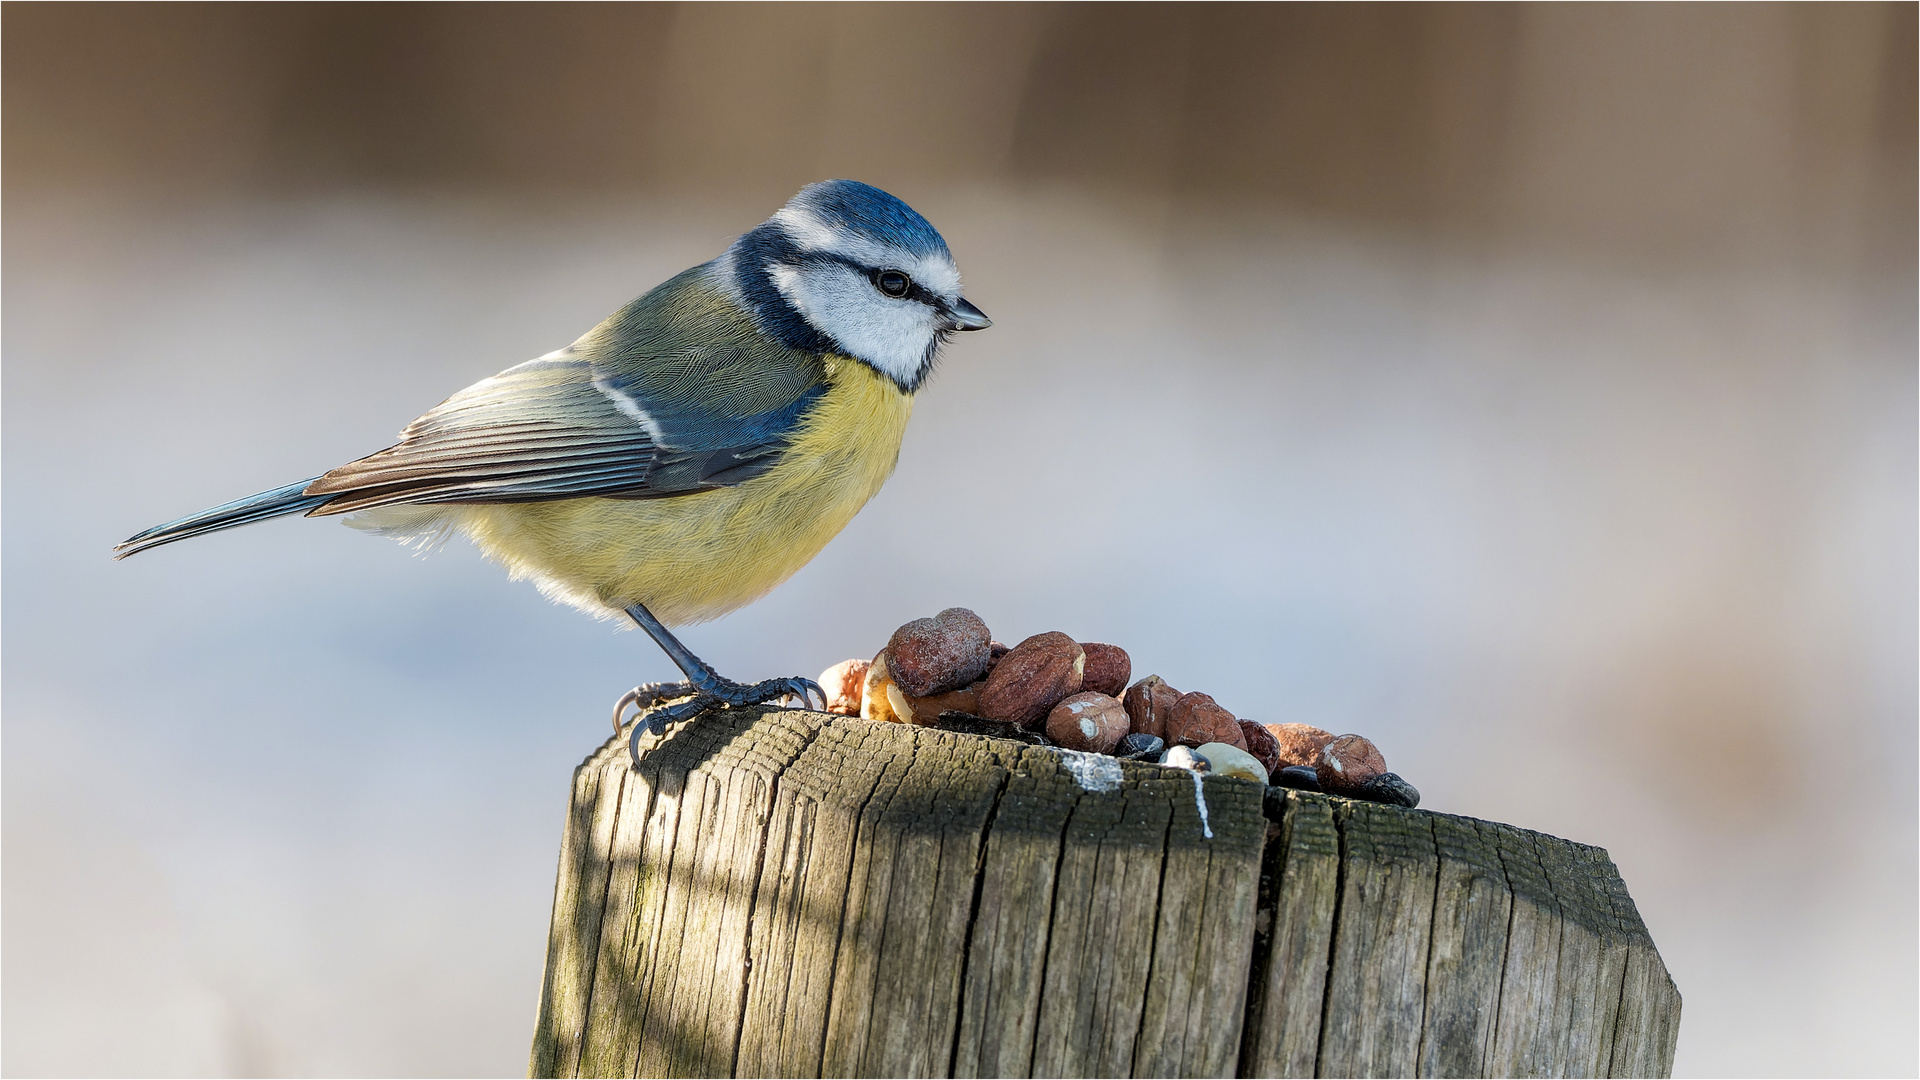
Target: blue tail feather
[[291, 499]]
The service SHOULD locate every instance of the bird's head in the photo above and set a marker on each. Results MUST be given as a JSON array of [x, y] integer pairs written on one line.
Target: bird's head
[[845, 267]]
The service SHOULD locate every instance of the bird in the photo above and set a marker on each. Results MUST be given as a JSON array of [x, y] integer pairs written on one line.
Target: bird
[[687, 455]]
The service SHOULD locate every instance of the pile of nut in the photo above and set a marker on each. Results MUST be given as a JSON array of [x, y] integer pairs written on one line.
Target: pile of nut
[[948, 672]]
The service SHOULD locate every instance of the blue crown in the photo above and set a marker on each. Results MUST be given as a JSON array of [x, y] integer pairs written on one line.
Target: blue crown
[[867, 211]]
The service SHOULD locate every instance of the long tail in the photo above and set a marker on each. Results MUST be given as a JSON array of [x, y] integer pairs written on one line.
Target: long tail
[[291, 499]]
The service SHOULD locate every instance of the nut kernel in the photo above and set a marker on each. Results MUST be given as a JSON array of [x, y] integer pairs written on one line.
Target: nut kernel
[[1149, 703], [1032, 678], [1347, 763], [1087, 721], [845, 684], [1197, 718], [934, 656], [1108, 668]]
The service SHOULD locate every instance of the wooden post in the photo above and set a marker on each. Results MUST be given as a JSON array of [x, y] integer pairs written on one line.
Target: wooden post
[[780, 893]]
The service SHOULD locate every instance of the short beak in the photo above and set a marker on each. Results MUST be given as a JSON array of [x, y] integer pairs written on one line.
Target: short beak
[[965, 316]]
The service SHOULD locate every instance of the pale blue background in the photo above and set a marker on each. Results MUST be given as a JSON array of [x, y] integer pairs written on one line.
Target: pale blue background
[[1597, 515]]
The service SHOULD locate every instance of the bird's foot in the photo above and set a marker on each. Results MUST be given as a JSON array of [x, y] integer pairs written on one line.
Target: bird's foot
[[656, 719], [734, 695], [706, 693]]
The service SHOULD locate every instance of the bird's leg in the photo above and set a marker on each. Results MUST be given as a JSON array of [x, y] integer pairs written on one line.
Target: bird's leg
[[707, 686]]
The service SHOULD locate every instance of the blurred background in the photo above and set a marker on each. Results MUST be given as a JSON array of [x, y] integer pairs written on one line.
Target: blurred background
[[1531, 388]]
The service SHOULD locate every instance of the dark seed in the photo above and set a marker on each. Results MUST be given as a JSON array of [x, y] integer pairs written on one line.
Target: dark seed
[[1140, 746], [1389, 788], [1299, 776]]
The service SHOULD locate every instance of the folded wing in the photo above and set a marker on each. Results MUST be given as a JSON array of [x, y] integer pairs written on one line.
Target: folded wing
[[674, 394]]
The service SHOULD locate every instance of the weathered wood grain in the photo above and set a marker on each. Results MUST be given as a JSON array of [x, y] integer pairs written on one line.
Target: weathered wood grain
[[1647, 1024], [1591, 964], [579, 894], [1471, 908], [1536, 962], [1101, 941], [1293, 935], [1376, 981], [777, 893], [896, 988], [1196, 993], [804, 884], [1530, 1028], [1007, 951]]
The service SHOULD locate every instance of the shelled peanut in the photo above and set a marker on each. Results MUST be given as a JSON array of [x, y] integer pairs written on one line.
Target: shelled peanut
[[1055, 690]]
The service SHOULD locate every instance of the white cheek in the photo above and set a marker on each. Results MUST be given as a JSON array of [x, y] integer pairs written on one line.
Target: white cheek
[[892, 335]]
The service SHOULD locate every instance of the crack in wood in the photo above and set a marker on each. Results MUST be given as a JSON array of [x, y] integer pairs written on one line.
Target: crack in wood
[[973, 914]]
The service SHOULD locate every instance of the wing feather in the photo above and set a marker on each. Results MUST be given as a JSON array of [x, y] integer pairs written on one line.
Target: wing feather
[[647, 405]]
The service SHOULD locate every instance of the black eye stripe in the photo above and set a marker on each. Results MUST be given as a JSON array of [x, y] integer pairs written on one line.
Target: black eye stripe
[[915, 291]]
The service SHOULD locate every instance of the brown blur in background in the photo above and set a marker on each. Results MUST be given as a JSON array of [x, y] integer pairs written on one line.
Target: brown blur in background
[[1531, 388]]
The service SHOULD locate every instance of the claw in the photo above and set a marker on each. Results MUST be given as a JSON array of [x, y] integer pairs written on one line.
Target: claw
[[656, 721], [644, 696], [805, 690], [631, 697], [633, 746]]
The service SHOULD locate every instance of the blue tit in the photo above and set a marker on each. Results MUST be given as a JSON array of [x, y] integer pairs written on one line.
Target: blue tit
[[688, 454]]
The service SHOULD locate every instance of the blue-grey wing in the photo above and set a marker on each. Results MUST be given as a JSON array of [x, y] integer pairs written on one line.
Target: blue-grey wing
[[676, 393]]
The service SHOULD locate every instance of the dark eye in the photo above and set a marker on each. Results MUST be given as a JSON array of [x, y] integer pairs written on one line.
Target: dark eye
[[892, 282]]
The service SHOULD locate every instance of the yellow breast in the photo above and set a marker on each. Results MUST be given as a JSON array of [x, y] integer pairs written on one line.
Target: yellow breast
[[696, 557]]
